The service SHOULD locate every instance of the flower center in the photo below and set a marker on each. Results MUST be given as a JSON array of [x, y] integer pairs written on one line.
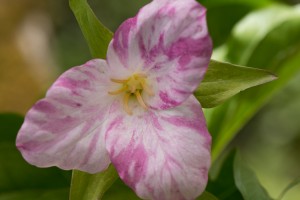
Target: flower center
[[134, 86]]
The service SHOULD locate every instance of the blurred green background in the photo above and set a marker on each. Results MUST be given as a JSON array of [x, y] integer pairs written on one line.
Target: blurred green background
[[41, 39]]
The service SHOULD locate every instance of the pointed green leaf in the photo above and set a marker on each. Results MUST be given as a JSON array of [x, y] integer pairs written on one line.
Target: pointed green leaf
[[207, 196], [95, 33], [268, 39], [86, 186], [224, 80], [247, 182]]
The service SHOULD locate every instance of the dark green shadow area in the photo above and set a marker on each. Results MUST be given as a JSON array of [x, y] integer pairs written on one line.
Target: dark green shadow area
[[20, 180]]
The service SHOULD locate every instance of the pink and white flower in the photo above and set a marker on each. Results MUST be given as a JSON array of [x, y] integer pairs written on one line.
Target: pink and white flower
[[135, 110]]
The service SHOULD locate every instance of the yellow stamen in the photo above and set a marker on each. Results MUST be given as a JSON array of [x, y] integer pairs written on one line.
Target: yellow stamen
[[119, 91], [133, 85], [125, 103], [119, 80], [140, 99]]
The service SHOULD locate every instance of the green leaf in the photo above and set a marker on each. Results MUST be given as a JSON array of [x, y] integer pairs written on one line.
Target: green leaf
[[224, 80], [223, 185], [252, 32], [268, 39], [294, 183], [120, 191], [212, 3], [16, 174], [86, 186], [95, 33], [247, 182], [207, 196]]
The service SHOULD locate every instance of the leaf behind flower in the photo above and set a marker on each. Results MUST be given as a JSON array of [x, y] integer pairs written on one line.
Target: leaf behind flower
[[95, 33], [224, 80]]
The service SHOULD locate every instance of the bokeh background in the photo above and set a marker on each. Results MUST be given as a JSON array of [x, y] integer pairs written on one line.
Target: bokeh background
[[41, 39]]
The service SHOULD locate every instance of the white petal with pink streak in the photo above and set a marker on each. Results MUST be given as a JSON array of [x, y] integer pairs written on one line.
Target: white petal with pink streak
[[65, 128], [162, 155], [169, 42]]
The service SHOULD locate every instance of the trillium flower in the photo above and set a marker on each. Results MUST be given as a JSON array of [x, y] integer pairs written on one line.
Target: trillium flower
[[135, 110]]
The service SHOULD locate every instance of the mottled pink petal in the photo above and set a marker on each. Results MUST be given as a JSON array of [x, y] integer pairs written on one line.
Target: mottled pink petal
[[169, 42], [65, 128], [162, 155]]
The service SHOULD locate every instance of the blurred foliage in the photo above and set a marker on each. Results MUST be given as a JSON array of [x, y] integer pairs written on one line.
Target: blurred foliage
[[112, 12], [271, 140], [20, 180], [21, 75], [223, 184], [120, 191], [269, 39], [274, 46], [247, 182], [222, 15]]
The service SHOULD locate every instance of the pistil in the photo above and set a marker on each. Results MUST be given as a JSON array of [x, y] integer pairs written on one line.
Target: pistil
[[140, 99], [119, 91], [125, 103]]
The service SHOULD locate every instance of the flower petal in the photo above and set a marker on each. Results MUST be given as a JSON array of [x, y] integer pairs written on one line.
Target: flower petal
[[169, 42], [65, 128], [161, 154]]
